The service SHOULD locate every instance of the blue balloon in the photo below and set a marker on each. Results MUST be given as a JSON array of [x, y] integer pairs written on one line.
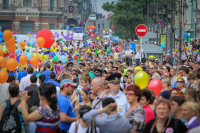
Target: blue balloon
[[53, 54], [15, 37], [62, 53], [27, 43], [29, 56], [1, 35], [86, 44], [17, 51], [1, 39], [63, 59]]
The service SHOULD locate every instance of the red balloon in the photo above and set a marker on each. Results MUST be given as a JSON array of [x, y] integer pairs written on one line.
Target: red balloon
[[48, 37], [12, 55], [156, 86]]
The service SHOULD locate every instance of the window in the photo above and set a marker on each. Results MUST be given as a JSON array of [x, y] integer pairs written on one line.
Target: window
[[51, 5], [27, 2], [5, 4], [51, 26], [26, 27]]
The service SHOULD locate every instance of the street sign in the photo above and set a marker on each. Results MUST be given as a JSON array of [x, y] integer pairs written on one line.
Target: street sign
[[141, 30], [71, 9]]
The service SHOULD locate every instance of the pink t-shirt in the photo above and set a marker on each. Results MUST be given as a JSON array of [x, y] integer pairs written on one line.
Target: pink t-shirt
[[149, 113]]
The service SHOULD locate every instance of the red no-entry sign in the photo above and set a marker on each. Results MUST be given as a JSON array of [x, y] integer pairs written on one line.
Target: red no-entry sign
[[141, 30]]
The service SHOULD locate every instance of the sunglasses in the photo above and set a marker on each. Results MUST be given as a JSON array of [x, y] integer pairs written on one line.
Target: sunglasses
[[92, 93], [151, 68], [142, 64], [179, 81], [129, 93], [105, 87], [166, 76]]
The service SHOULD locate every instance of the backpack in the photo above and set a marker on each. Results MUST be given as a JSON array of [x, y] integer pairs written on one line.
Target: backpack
[[10, 122]]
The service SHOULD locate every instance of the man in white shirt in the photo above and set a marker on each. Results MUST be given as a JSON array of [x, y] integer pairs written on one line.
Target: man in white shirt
[[128, 55], [4, 94], [139, 52], [25, 81]]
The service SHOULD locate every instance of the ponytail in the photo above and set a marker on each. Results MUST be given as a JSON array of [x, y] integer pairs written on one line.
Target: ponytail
[[49, 91]]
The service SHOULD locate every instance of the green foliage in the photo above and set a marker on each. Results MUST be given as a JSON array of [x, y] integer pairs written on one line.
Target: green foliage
[[127, 14]]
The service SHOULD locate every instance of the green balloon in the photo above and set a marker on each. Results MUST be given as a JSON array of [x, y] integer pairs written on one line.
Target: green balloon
[[31, 45], [108, 50], [96, 51], [189, 39], [55, 58]]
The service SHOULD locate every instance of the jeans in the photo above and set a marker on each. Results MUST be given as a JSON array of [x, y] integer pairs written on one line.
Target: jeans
[[174, 61], [31, 127], [137, 61], [102, 26]]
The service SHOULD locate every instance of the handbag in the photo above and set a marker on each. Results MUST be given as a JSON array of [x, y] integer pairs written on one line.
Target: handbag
[[92, 125]]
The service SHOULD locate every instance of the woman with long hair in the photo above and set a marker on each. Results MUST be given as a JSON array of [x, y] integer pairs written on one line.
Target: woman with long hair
[[85, 96], [191, 95], [47, 115], [129, 80], [181, 84]]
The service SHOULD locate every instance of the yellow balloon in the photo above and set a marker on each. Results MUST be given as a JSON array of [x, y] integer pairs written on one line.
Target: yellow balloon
[[4, 51], [89, 50], [142, 79], [138, 68], [1, 47], [52, 49], [54, 45], [5, 69], [65, 49], [51, 61], [29, 34], [197, 50], [125, 71], [187, 48], [46, 57], [41, 57], [56, 49], [35, 55], [75, 52]]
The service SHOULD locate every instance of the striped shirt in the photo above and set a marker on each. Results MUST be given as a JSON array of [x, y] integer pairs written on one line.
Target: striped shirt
[[49, 122]]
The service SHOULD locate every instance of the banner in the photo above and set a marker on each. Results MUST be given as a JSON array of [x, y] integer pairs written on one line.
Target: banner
[[132, 46], [114, 38], [78, 36], [162, 40], [78, 29]]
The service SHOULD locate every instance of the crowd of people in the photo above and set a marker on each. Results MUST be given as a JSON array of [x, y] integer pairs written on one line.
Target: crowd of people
[[96, 92]]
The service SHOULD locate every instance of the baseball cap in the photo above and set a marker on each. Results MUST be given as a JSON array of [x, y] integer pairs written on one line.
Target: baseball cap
[[67, 82], [48, 65]]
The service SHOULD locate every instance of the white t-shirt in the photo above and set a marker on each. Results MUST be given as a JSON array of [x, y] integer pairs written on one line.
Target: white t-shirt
[[80, 129], [116, 55], [129, 52]]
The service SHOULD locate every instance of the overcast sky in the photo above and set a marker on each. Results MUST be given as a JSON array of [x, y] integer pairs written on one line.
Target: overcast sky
[[100, 4]]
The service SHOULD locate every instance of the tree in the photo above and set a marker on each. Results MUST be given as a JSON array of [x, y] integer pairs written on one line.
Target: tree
[[127, 14]]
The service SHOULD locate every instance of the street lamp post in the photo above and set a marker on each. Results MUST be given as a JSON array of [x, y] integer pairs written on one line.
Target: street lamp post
[[157, 21]]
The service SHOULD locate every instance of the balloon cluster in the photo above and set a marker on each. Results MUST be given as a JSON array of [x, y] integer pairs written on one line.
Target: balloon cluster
[[9, 40]]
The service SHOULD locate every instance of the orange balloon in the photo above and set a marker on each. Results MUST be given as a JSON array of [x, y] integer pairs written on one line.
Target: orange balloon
[[12, 64], [23, 59], [12, 48], [1, 52], [22, 44], [3, 62], [34, 61], [40, 41], [10, 42], [7, 35], [3, 76]]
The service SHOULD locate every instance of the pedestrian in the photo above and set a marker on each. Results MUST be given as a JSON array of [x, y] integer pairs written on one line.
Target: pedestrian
[[47, 116], [117, 94], [135, 113], [47, 72], [162, 122], [103, 25], [139, 54], [113, 123], [128, 55], [67, 113]]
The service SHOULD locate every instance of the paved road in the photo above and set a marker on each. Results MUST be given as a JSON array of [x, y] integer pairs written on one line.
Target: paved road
[[98, 21]]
